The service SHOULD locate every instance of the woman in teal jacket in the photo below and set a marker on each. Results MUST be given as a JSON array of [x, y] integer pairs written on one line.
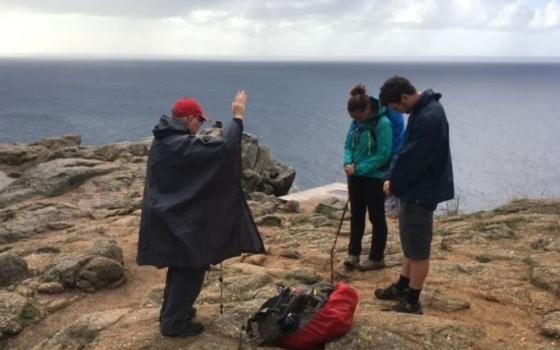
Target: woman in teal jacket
[[366, 161]]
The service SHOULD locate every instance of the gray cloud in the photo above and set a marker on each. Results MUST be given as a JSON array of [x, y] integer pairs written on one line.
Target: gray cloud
[[115, 8], [358, 15], [256, 9], [270, 27]]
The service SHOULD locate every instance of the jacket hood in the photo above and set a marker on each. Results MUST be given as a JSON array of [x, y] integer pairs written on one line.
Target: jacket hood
[[169, 126], [381, 110], [427, 96]]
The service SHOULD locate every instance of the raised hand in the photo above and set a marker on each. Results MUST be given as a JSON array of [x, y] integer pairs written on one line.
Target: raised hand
[[239, 104]]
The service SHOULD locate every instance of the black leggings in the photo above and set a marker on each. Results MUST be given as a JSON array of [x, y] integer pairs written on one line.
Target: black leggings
[[367, 193]]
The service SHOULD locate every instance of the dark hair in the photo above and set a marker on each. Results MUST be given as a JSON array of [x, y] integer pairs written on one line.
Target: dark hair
[[359, 101], [393, 88]]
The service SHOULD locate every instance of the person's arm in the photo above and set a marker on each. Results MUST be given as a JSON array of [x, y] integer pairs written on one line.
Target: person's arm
[[416, 154], [384, 139], [234, 129], [348, 149]]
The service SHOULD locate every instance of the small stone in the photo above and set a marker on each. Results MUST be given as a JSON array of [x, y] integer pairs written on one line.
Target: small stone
[[245, 287], [50, 288], [291, 207], [86, 286], [546, 275], [99, 272], [541, 244], [305, 275], [299, 219], [258, 196], [262, 208], [445, 245], [270, 220], [258, 259], [108, 248], [33, 283], [56, 305], [319, 221], [482, 258], [436, 300], [48, 250], [242, 268], [290, 253], [337, 215], [329, 206], [155, 296], [25, 291], [551, 325]]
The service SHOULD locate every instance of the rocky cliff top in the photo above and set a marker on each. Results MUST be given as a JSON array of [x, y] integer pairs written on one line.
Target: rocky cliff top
[[69, 217]]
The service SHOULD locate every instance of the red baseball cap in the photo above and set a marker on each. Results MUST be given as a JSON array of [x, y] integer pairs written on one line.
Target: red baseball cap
[[188, 107]]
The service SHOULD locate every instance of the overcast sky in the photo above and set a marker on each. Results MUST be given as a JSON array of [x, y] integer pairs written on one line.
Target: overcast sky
[[265, 29]]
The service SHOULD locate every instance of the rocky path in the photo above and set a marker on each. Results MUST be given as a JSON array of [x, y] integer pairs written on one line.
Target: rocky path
[[68, 278]]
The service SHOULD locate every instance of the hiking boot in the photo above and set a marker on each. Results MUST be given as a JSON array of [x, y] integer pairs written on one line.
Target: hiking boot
[[352, 261], [391, 293], [186, 329], [191, 314], [369, 265], [408, 308]]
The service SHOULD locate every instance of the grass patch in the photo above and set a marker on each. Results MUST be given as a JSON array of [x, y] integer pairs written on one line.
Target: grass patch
[[444, 232]]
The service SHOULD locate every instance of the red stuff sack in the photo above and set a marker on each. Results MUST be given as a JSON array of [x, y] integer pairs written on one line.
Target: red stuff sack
[[332, 321]]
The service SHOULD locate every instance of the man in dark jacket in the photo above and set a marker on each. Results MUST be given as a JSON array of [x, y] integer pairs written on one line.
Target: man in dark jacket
[[421, 178], [194, 212]]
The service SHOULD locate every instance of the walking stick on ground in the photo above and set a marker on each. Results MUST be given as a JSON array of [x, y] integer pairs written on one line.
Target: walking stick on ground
[[336, 240], [221, 288]]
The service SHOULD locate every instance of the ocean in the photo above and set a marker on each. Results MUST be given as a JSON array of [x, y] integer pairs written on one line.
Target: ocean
[[504, 117]]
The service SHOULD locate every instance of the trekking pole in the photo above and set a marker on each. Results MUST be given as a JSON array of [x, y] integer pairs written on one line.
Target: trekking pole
[[336, 240], [221, 288], [240, 339]]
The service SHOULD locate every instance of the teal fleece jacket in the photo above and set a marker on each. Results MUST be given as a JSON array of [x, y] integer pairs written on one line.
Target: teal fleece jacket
[[370, 155]]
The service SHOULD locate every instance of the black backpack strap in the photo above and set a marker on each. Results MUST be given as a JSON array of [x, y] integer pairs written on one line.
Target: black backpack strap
[[265, 326]]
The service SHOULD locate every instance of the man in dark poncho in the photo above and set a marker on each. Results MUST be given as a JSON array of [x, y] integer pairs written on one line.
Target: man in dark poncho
[[194, 212]]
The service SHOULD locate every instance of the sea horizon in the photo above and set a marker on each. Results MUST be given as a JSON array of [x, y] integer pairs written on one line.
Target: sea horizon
[[288, 59], [503, 116]]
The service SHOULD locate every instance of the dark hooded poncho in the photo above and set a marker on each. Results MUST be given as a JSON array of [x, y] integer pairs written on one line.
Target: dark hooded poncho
[[194, 212]]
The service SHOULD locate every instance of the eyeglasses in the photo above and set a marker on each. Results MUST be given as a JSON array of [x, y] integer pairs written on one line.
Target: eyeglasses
[[199, 118]]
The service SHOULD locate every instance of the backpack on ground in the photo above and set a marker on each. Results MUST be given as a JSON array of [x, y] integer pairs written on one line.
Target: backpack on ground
[[304, 318]]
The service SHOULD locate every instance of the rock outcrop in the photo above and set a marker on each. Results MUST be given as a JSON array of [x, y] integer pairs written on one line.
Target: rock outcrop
[[69, 217], [16, 312], [13, 269], [52, 178], [100, 267], [262, 173]]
